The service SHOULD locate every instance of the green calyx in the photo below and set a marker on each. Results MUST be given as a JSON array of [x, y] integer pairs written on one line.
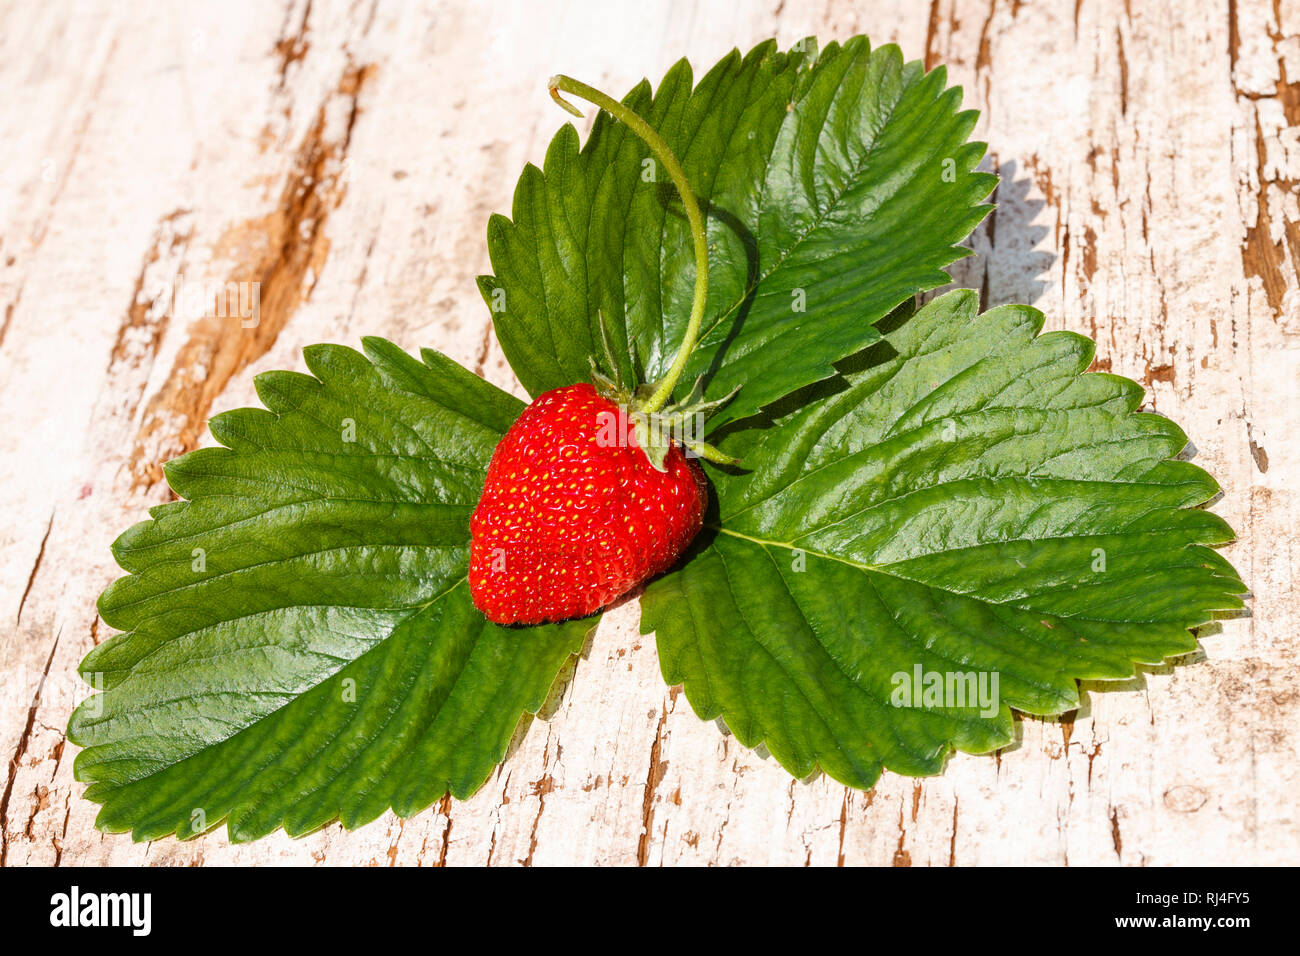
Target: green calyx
[[681, 423], [659, 423]]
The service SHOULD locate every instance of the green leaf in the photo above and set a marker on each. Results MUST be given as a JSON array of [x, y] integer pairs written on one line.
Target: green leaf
[[301, 643], [840, 184], [960, 499]]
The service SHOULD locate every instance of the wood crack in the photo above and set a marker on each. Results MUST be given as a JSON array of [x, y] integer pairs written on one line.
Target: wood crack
[[654, 776], [19, 752], [36, 566]]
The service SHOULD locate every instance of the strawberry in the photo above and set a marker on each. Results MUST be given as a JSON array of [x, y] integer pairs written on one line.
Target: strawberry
[[574, 514], [583, 500]]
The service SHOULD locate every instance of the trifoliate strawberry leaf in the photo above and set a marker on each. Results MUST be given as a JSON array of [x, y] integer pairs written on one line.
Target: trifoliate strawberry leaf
[[835, 187], [962, 502], [301, 643]]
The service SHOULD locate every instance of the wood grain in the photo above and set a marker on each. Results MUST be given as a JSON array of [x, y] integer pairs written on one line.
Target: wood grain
[[346, 156]]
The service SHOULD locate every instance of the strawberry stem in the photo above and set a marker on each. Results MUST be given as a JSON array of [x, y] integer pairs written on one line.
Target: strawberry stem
[[663, 389]]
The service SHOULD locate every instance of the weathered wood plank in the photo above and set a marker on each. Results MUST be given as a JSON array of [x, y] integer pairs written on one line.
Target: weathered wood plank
[[346, 156]]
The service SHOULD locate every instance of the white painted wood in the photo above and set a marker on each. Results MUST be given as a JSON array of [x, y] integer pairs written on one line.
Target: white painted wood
[[347, 157]]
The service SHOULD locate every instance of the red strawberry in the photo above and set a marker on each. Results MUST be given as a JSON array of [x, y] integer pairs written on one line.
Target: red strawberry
[[573, 513]]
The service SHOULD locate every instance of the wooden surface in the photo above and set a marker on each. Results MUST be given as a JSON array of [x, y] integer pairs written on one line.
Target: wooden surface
[[346, 157]]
